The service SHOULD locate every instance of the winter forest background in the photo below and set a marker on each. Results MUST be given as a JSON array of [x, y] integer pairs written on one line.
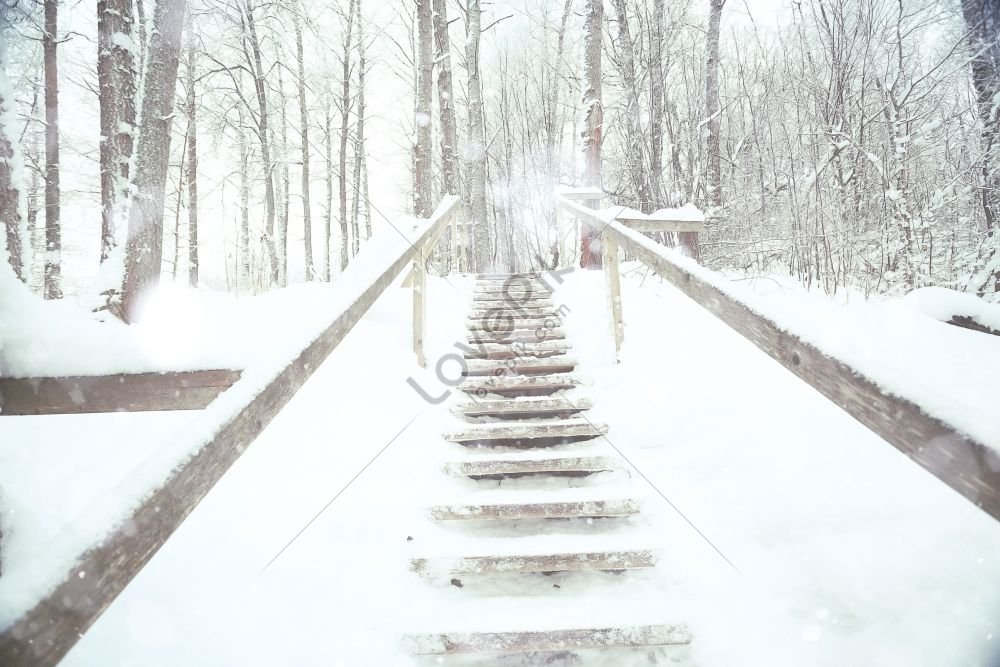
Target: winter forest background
[[848, 143]]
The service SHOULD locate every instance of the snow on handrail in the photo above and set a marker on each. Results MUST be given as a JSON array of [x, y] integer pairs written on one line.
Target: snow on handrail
[[958, 455]]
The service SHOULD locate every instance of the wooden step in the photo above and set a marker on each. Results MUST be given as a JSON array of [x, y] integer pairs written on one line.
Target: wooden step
[[524, 313], [578, 509], [518, 350], [506, 328], [527, 407], [517, 466], [523, 434], [492, 299], [634, 636], [498, 367], [615, 561], [515, 290], [520, 385], [521, 336]]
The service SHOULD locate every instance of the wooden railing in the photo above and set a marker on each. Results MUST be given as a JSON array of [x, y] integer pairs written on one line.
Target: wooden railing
[[222, 432], [969, 467]]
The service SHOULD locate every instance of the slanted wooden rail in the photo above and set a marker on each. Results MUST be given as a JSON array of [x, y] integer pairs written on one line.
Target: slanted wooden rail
[[966, 465], [44, 634]]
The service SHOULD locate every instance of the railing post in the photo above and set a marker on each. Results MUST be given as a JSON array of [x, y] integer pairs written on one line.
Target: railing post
[[689, 242], [419, 277], [614, 288]]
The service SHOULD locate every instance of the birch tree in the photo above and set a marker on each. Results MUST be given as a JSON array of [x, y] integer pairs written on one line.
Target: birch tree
[[13, 198], [423, 203], [475, 146], [713, 107], [304, 133]]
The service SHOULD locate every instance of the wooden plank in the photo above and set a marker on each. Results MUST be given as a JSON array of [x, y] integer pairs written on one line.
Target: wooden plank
[[649, 224], [581, 509], [564, 428], [532, 466], [516, 336], [523, 406], [561, 364], [585, 561], [547, 640], [44, 634], [545, 348], [514, 324], [520, 385], [968, 466], [524, 312], [124, 392]]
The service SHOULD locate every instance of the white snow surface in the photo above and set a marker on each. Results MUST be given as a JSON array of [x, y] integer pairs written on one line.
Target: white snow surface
[[845, 552]]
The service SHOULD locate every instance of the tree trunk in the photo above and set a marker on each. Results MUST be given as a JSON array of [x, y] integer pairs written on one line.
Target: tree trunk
[[360, 171], [476, 141], [145, 226], [713, 108], [304, 132], [256, 62], [593, 110], [53, 235], [328, 216], [983, 20], [423, 163], [282, 159], [12, 192], [345, 115], [244, 206], [446, 98], [192, 157], [116, 96], [656, 107]]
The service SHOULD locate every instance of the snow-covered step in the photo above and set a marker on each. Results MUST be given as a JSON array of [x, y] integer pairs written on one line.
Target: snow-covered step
[[491, 299], [519, 288], [522, 407], [546, 348], [616, 560], [517, 465], [512, 311], [519, 336], [560, 364], [524, 434], [520, 385], [506, 327], [512, 511], [633, 636]]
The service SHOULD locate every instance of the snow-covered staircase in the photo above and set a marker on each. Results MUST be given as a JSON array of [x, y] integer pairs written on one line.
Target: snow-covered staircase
[[523, 431]]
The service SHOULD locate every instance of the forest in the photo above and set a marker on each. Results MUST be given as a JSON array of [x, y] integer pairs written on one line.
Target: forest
[[243, 145]]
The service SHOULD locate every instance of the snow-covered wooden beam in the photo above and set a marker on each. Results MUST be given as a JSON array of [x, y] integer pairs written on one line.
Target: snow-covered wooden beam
[[44, 634], [970, 467], [126, 392]]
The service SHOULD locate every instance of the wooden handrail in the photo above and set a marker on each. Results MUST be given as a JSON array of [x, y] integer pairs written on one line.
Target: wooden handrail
[[968, 466], [445, 214], [222, 432]]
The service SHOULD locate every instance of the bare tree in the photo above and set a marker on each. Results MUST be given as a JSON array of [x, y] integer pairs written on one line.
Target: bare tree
[[593, 110], [360, 199], [12, 192], [345, 116], [191, 107], [144, 249], [53, 232], [713, 107], [304, 132], [475, 150], [423, 165], [116, 77], [328, 212]]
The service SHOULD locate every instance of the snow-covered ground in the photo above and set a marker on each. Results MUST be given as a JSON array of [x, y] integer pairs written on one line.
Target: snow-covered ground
[[845, 552]]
